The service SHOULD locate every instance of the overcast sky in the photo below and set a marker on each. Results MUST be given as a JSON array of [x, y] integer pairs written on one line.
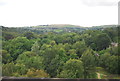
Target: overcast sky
[[42, 12]]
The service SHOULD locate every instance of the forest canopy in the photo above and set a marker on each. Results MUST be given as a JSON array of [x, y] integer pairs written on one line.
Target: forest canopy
[[60, 51]]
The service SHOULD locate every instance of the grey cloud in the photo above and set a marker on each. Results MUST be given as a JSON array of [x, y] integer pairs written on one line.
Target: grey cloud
[[100, 2]]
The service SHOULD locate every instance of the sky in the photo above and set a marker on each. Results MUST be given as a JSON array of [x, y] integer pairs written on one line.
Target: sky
[[17, 13]]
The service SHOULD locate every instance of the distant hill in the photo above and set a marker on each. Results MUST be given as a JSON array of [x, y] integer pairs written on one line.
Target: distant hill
[[103, 26], [57, 28]]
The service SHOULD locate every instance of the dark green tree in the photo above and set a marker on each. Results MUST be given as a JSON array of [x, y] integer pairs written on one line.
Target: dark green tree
[[80, 47], [18, 46], [54, 59], [29, 35], [112, 66]]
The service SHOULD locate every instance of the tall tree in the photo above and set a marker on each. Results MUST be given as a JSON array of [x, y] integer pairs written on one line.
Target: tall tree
[[36, 48], [73, 68], [88, 60], [53, 59]]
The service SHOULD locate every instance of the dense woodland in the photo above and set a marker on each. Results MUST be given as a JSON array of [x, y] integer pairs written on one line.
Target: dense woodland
[[60, 51]]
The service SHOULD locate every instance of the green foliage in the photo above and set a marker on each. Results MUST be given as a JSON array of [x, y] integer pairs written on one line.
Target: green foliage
[[73, 68], [65, 52], [114, 50], [102, 41], [37, 73], [72, 54], [80, 47], [30, 60], [104, 61], [54, 59], [9, 69], [20, 69], [18, 46], [97, 40], [8, 35], [113, 64], [36, 48], [88, 60], [29, 35], [112, 33], [6, 58]]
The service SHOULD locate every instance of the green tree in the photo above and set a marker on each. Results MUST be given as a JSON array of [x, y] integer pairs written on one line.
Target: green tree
[[6, 58], [29, 35], [104, 61], [102, 41], [54, 58], [72, 54], [8, 35], [114, 50], [19, 70], [9, 69], [112, 66], [80, 47], [52, 43], [18, 46], [67, 47], [37, 73], [30, 60], [88, 60], [97, 40], [112, 33], [36, 48], [73, 68]]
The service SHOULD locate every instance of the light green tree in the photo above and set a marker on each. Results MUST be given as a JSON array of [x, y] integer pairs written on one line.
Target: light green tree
[[30, 60], [73, 68], [6, 57], [88, 60], [36, 48]]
